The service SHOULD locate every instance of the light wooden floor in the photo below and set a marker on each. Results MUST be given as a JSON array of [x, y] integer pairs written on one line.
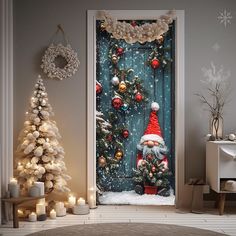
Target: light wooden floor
[[148, 214]]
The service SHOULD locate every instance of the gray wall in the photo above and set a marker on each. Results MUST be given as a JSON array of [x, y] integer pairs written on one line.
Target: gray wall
[[34, 24]]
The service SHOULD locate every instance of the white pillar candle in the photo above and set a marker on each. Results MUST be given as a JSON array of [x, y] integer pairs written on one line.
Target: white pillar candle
[[59, 205], [14, 188], [13, 181], [32, 217], [61, 211], [40, 209], [34, 191], [71, 200], [53, 214], [92, 198], [81, 201], [40, 185]]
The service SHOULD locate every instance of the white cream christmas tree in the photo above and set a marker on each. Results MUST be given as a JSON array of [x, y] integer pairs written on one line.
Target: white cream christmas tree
[[39, 154]]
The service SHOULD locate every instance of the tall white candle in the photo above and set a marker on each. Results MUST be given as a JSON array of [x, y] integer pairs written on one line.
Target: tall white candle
[[71, 200], [40, 209], [40, 185], [14, 188], [32, 217], [81, 201], [92, 198]]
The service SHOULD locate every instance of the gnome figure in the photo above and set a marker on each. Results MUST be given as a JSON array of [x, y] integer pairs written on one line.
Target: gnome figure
[[152, 146]]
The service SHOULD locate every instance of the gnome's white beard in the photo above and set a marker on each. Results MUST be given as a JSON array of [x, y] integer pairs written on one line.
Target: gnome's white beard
[[157, 151]]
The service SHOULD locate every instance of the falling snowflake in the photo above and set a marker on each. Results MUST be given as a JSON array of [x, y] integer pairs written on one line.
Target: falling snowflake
[[225, 17]]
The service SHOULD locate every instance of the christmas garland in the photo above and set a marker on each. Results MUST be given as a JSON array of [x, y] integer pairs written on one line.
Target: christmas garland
[[134, 33]]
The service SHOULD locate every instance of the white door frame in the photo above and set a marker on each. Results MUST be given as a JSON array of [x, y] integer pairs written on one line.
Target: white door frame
[[92, 16], [6, 89]]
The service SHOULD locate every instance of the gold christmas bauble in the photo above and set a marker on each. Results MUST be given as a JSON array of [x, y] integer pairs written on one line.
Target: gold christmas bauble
[[119, 155], [114, 58], [150, 174], [102, 161], [102, 26], [122, 87]]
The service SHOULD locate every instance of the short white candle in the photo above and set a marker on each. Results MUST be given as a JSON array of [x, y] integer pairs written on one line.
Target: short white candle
[[32, 217], [61, 211], [81, 201], [59, 205], [40, 185], [13, 181], [20, 213], [40, 209], [71, 200], [53, 214]]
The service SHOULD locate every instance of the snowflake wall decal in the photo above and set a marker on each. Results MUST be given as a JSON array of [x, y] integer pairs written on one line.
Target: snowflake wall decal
[[225, 17]]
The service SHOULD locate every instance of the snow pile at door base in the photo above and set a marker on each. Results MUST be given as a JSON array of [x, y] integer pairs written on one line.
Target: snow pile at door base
[[132, 198]]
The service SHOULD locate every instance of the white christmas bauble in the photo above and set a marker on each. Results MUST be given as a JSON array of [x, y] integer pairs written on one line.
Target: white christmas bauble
[[48, 184], [35, 111], [36, 120], [232, 137], [115, 80], [41, 170], [30, 136], [36, 134], [49, 176], [34, 160], [29, 148], [38, 152], [41, 141], [25, 144], [27, 123], [43, 102], [46, 145], [33, 127]]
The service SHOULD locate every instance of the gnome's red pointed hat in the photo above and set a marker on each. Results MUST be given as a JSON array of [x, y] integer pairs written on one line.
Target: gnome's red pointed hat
[[153, 130]]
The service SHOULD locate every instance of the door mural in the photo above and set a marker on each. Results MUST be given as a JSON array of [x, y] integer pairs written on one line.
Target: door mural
[[133, 81]]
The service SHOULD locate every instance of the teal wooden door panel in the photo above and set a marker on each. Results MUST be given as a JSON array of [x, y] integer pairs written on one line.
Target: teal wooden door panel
[[160, 85]]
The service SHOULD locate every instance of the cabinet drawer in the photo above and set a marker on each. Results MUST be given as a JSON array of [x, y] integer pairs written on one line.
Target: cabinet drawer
[[227, 161]]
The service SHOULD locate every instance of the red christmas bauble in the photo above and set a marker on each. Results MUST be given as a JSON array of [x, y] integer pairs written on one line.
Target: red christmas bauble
[[125, 133], [138, 97], [153, 168], [109, 137], [98, 88], [117, 103], [119, 51], [155, 63], [133, 23]]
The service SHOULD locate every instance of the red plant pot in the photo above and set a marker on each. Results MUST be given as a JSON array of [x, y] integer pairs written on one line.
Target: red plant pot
[[150, 189]]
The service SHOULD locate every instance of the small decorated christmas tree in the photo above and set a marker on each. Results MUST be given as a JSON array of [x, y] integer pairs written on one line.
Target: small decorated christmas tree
[[152, 172], [39, 154]]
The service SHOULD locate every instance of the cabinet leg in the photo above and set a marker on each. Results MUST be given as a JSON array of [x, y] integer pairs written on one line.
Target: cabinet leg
[[222, 203], [15, 216], [217, 201]]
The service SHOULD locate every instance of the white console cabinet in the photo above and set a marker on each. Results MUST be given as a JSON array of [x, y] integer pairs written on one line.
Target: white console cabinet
[[220, 166]]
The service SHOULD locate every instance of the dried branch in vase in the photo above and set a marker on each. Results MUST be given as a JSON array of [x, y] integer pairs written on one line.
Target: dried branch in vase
[[218, 90]]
